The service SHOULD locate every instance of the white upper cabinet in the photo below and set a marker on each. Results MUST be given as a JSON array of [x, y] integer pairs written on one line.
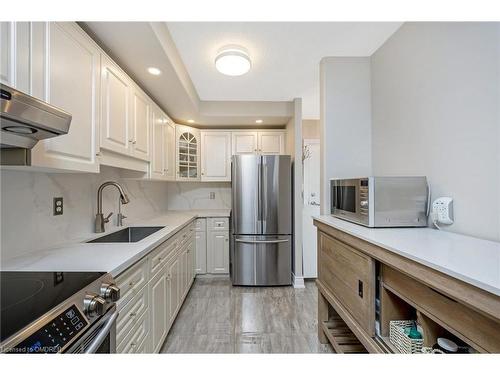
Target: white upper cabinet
[[188, 153], [141, 121], [115, 108], [64, 71], [244, 142], [216, 156], [271, 143], [258, 142], [169, 153], [163, 146], [158, 144], [6, 52], [56, 62]]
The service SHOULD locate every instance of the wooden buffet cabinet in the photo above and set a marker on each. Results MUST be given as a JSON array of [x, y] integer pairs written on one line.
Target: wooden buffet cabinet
[[362, 286]]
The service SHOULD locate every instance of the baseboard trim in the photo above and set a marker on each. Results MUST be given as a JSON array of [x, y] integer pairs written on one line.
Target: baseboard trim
[[298, 282]]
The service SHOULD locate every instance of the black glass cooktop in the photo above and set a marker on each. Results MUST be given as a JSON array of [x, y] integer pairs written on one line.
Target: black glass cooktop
[[26, 296]]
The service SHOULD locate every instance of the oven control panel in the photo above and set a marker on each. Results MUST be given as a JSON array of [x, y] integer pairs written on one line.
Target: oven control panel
[[55, 335]]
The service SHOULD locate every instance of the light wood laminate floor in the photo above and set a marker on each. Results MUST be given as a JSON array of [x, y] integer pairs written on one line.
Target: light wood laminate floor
[[219, 318]]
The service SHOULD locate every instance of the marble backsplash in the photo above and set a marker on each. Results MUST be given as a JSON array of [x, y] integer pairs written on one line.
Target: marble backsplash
[[27, 222], [196, 195]]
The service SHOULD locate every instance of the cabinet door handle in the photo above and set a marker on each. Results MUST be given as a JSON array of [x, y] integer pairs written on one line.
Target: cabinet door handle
[[360, 288]]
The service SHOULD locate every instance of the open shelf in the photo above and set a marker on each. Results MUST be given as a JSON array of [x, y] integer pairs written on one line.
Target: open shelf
[[396, 308], [340, 335]]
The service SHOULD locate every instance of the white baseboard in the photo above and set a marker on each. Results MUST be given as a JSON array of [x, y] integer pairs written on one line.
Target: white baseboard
[[298, 282]]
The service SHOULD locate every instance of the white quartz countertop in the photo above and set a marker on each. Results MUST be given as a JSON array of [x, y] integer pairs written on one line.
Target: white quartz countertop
[[204, 213], [472, 260], [106, 257]]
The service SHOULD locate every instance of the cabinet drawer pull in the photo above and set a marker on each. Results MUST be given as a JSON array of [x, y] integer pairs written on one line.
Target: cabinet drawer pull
[[132, 314], [132, 344], [360, 288], [131, 283]]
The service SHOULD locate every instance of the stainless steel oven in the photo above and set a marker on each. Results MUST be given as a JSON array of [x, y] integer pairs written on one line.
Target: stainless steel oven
[[58, 312], [381, 201], [100, 338]]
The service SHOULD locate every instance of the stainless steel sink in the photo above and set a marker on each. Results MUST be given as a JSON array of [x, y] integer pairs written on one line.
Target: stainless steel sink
[[130, 234]]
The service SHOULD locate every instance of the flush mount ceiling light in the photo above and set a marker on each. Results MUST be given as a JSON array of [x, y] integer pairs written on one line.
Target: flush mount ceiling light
[[191, 121], [232, 61], [258, 121], [154, 71]]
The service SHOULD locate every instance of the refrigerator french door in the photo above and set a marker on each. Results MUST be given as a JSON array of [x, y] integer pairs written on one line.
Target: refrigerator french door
[[261, 240]]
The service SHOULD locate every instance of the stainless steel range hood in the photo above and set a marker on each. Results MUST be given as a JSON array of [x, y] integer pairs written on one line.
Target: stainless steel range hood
[[24, 121]]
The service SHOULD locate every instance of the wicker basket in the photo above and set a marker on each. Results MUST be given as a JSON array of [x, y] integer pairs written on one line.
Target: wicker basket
[[401, 341]]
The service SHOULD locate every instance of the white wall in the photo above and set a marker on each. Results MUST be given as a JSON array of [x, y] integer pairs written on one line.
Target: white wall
[[435, 99], [27, 222], [310, 129], [196, 195], [345, 111]]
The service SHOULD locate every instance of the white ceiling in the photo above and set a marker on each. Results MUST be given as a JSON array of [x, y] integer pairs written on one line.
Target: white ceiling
[[285, 56]]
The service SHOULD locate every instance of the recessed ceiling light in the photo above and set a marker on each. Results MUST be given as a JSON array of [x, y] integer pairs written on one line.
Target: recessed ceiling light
[[232, 61], [154, 71], [258, 121], [191, 121]]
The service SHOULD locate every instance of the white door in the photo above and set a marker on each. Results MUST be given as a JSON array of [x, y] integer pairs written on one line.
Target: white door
[[216, 156], [169, 153], [158, 145], [201, 252], [72, 83], [311, 206], [244, 143], [218, 252], [141, 108], [159, 310], [115, 108], [271, 143]]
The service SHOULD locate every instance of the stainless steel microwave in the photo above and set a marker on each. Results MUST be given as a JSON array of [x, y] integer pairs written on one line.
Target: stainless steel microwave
[[381, 201]]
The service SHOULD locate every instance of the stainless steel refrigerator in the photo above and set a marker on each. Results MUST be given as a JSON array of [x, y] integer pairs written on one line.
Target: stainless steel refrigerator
[[261, 224]]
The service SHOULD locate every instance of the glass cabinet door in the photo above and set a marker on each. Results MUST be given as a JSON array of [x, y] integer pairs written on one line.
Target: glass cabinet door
[[188, 156]]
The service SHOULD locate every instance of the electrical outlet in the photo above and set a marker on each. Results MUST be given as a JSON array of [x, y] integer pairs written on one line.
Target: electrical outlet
[[58, 207], [442, 209], [212, 195]]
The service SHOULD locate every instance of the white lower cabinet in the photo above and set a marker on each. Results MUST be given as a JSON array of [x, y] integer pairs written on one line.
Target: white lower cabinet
[[200, 237], [218, 252], [212, 246], [159, 322], [153, 291]]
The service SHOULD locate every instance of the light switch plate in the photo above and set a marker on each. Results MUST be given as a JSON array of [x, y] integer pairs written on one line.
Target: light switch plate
[[58, 207], [212, 195]]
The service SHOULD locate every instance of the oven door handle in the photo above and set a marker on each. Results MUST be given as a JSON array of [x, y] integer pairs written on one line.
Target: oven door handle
[[101, 336]]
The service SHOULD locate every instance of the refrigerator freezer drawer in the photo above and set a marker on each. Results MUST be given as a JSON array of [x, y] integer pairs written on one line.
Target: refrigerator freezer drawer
[[261, 260]]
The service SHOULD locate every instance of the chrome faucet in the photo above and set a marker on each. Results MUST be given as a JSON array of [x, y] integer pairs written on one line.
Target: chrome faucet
[[100, 220]]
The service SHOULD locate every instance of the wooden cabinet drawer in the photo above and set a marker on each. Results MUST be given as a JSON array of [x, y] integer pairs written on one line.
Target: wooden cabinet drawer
[[129, 314], [159, 256], [132, 281], [200, 225], [350, 276], [136, 336], [218, 223], [471, 326]]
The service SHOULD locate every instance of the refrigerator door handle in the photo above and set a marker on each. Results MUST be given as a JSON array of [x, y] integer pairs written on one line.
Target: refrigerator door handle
[[259, 196], [261, 241]]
